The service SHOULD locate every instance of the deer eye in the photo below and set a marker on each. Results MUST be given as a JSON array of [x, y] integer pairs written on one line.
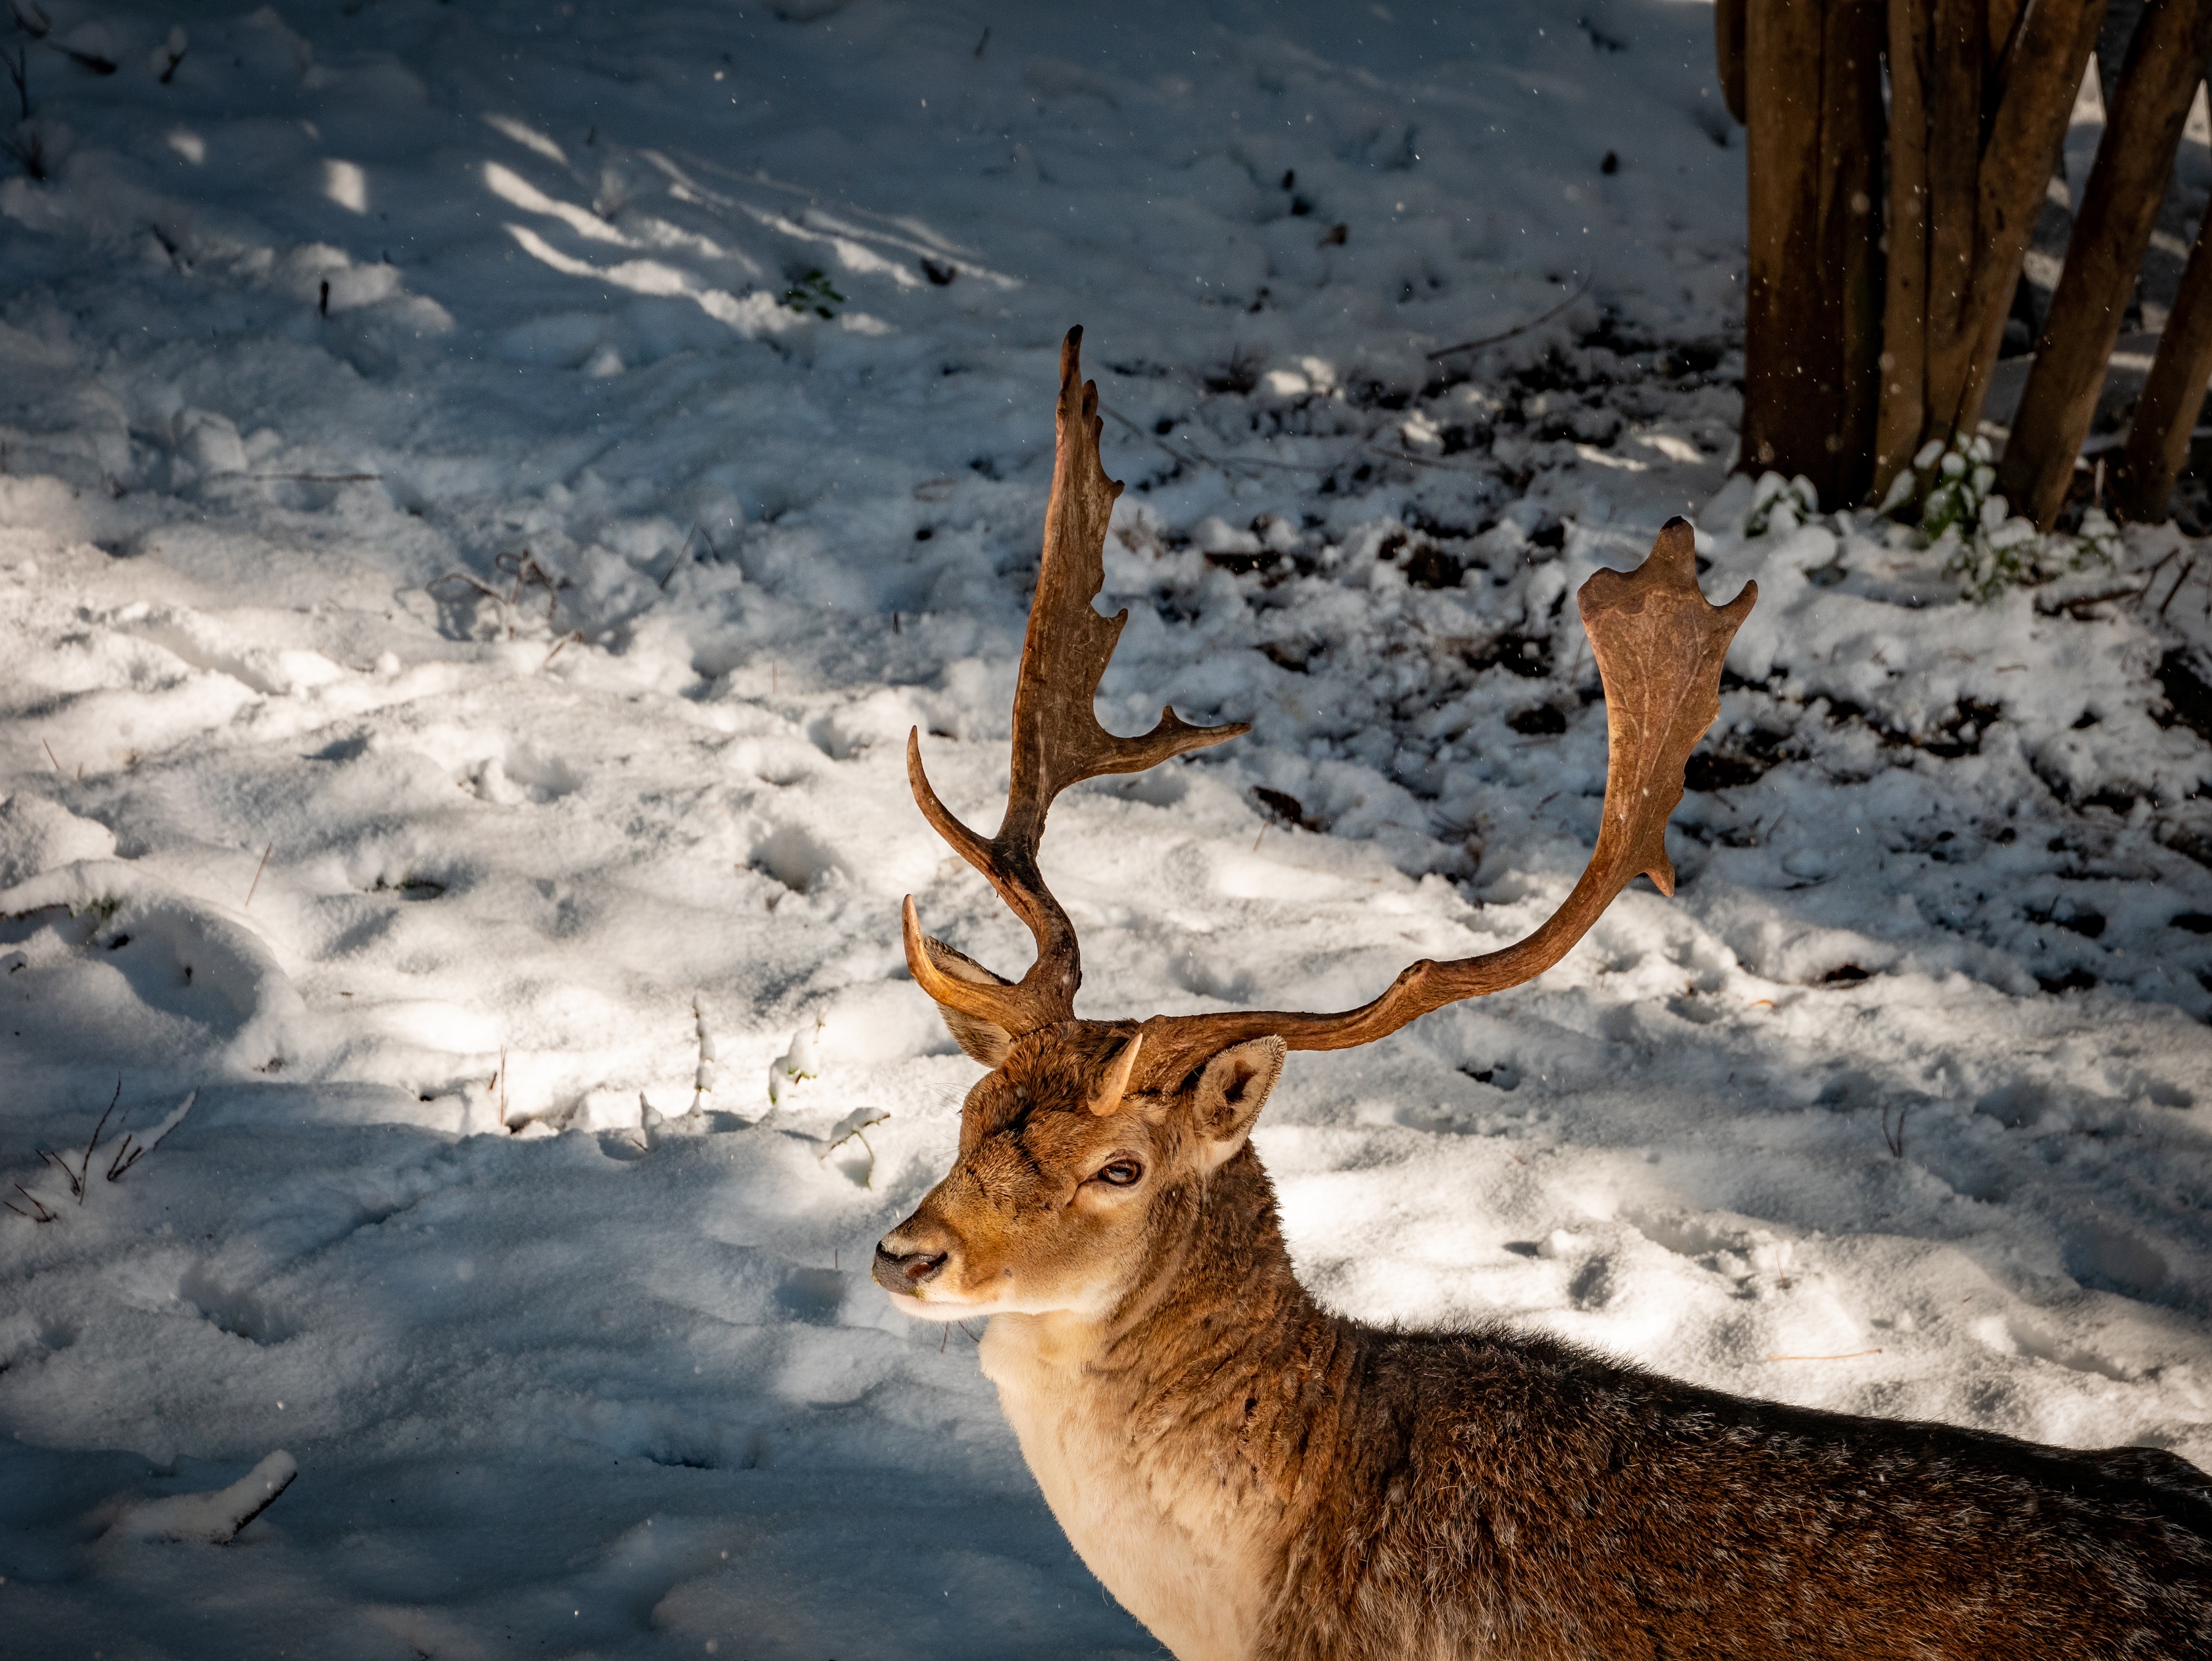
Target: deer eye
[[1122, 1173]]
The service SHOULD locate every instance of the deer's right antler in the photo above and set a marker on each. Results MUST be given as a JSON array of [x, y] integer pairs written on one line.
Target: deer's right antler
[[1057, 739], [1659, 645]]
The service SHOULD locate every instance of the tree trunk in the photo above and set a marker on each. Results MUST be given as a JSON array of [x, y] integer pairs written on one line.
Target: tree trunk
[[1997, 42], [1954, 101], [1812, 312], [2112, 231], [1850, 172], [1903, 361], [2158, 443], [2040, 78], [2043, 72]]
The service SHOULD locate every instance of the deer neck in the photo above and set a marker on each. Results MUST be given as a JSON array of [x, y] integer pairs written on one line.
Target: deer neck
[[1162, 1434]]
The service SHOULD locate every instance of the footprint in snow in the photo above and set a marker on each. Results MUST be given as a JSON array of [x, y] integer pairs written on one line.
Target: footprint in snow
[[793, 856], [524, 775]]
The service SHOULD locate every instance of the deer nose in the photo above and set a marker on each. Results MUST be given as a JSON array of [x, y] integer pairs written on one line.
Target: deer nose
[[906, 1271], [913, 1254]]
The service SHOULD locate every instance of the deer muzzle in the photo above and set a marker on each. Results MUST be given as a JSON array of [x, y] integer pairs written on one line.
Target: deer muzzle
[[910, 1257]]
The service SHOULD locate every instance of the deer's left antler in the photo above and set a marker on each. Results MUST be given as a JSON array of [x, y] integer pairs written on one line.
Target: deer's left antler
[[1057, 739]]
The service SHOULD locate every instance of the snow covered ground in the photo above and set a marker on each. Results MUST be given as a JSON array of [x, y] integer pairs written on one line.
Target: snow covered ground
[[461, 620]]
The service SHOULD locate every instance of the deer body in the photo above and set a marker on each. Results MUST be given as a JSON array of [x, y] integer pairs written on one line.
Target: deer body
[[1258, 1479]]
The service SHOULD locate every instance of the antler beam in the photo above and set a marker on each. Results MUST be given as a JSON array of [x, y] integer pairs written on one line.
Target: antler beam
[[1057, 739], [1659, 645]]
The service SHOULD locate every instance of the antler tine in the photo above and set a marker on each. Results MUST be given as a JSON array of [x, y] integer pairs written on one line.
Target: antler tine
[[1057, 740], [1659, 646]]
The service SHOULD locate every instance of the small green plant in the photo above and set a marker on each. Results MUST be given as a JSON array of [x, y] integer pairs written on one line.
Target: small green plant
[[1988, 549], [795, 1066], [1996, 556], [2098, 540], [848, 1129], [812, 293], [1956, 487], [1991, 548], [1781, 504]]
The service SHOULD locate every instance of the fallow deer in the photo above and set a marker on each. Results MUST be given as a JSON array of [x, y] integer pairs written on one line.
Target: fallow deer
[[1252, 1476]]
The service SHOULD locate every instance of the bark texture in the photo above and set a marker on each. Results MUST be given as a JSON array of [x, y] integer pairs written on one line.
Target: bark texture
[[2112, 232], [1813, 104], [2042, 69], [1902, 404], [2158, 443]]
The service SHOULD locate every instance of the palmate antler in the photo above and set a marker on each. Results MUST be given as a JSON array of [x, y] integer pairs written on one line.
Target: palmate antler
[[1057, 739], [1659, 646]]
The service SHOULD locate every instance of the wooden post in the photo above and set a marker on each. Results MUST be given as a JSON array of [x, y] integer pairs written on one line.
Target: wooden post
[[2158, 443], [2042, 70], [2112, 231], [1811, 311], [1903, 403]]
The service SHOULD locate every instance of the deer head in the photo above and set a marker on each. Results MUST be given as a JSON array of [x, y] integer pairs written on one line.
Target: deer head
[[1086, 1136]]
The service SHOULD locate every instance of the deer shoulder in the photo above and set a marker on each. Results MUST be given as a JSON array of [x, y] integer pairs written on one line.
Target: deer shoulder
[[1254, 1476]]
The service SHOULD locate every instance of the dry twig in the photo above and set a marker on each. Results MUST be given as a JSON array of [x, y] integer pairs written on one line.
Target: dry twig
[[254, 886], [2187, 571], [712, 553], [129, 1150], [1196, 458], [1518, 328], [127, 1153], [77, 1178], [19, 71], [526, 572]]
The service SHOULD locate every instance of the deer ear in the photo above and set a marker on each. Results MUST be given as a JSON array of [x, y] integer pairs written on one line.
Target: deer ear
[[1230, 1092], [986, 1041]]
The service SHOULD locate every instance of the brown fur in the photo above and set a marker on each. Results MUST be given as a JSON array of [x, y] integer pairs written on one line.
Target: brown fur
[[1257, 1477]]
